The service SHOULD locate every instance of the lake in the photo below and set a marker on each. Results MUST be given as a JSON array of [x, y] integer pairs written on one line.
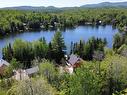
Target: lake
[[75, 35]]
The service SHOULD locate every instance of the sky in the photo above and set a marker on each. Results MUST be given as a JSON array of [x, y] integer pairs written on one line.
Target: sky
[[56, 3]]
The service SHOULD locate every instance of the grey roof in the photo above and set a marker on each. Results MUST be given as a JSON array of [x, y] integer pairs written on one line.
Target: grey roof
[[73, 59], [3, 62], [32, 70]]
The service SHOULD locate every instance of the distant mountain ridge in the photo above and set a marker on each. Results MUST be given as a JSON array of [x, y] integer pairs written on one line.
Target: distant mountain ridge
[[106, 4], [52, 8], [31, 8]]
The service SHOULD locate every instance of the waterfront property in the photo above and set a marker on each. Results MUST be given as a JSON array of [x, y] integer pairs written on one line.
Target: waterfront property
[[71, 63], [74, 61]]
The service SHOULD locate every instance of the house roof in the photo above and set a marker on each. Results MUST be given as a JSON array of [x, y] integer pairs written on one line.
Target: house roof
[[32, 70], [73, 59], [3, 62]]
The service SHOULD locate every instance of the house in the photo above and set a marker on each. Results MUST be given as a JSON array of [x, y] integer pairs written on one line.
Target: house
[[74, 61], [3, 65], [25, 74]]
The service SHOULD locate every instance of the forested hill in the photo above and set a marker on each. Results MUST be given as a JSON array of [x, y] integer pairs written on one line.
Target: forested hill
[[55, 9], [106, 4], [31, 8], [41, 8]]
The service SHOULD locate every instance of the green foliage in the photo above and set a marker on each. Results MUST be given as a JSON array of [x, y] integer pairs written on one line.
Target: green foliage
[[40, 49], [92, 78], [15, 64], [103, 77], [2, 92], [5, 84], [32, 87], [115, 67], [122, 50], [85, 82], [58, 46], [8, 72], [58, 42], [24, 52], [7, 52], [47, 69], [17, 21], [87, 50], [117, 41]]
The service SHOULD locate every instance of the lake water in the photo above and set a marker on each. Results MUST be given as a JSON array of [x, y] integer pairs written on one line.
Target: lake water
[[75, 35]]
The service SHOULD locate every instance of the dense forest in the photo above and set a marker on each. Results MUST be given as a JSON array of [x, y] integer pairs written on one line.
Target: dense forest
[[103, 70], [12, 21]]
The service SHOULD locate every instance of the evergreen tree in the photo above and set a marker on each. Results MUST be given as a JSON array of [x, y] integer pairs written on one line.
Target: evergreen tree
[[50, 51], [71, 48], [58, 46], [117, 41], [7, 52]]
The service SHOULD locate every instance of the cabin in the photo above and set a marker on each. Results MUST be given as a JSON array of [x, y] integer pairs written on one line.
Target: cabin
[[3, 65], [74, 61], [25, 74]]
